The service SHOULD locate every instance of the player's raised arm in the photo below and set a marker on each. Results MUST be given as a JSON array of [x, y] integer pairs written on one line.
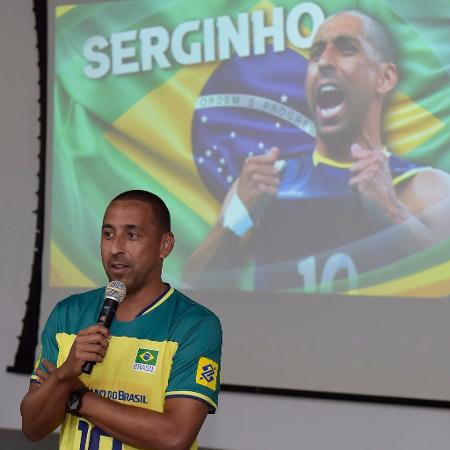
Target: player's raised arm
[[227, 245], [418, 205]]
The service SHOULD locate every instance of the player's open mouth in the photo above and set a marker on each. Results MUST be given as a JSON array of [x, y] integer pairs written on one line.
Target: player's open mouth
[[330, 100]]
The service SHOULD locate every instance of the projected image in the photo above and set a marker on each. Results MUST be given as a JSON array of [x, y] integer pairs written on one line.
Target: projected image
[[301, 147]]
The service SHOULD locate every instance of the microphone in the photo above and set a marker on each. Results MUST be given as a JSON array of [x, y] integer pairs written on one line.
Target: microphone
[[114, 295]]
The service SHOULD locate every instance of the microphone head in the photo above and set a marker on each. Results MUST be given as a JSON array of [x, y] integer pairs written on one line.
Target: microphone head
[[116, 291]]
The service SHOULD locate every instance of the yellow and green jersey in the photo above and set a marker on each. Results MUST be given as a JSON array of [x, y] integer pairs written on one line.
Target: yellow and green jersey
[[171, 349]]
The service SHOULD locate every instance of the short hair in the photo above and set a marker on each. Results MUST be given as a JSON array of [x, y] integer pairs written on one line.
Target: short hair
[[376, 34], [160, 211]]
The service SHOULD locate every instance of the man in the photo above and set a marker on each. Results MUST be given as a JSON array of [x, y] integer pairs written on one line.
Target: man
[[333, 206], [160, 403]]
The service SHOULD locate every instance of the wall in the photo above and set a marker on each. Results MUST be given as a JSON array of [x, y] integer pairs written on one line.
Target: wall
[[244, 421], [256, 422], [19, 128]]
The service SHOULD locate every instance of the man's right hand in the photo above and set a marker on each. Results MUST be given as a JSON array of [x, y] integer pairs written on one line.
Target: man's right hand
[[258, 182], [90, 345]]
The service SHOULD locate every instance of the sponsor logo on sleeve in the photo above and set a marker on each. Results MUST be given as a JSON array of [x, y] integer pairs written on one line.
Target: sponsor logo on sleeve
[[145, 360], [207, 371]]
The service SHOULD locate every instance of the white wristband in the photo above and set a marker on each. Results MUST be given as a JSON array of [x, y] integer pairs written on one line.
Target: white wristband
[[236, 216]]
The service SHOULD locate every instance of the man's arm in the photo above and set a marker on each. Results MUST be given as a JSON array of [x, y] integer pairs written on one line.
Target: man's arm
[[427, 197], [226, 245], [174, 429], [43, 408], [417, 205]]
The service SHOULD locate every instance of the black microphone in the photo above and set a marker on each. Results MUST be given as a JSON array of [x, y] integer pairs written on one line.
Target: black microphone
[[114, 295]]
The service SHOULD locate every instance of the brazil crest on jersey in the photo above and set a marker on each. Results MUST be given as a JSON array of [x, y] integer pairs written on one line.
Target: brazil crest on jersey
[[172, 349]]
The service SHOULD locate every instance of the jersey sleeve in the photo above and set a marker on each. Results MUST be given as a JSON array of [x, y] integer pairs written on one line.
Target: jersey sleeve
[[48, 347], [196, 365]]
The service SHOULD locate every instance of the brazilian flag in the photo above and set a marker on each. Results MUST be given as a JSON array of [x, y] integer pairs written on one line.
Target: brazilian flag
[[146, 356], [143, 129]]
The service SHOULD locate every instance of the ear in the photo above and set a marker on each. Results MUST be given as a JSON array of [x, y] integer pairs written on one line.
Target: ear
[[166, 245], [387, 78]]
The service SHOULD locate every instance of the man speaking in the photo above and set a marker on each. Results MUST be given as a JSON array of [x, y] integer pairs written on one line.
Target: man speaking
[[156, 373]]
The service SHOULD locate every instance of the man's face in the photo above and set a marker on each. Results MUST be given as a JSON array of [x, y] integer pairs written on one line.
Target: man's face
[[132, 245], [341, 77]]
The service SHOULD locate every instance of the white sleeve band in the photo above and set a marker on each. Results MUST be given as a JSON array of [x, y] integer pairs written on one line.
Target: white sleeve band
[[236, 217], [279, 164]]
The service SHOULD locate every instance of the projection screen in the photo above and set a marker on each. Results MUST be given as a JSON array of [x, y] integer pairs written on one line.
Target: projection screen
[[174, 97]]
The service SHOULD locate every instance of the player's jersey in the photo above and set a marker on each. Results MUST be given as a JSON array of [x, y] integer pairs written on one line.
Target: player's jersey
[[172, 349], [317, 218]]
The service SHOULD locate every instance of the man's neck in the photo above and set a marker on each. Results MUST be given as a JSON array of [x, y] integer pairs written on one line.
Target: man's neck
[[339, 149], [135, 302]]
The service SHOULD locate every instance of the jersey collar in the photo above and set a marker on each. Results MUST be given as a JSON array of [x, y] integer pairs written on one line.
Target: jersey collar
[[320, 159], [155, 303]]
